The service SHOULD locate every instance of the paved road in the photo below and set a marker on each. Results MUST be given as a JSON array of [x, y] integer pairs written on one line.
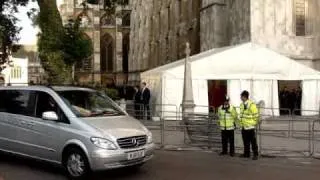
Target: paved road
[[169, 165]]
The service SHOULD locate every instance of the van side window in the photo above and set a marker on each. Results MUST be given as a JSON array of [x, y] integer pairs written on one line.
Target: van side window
[[46, 103], [2, 103], [18, 102]]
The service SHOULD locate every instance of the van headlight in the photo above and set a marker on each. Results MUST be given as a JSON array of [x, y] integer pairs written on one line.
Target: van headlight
[[103, 143], [149, 136]]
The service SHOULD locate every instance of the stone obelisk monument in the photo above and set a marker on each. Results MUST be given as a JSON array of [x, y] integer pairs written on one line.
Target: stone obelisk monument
[[187, 100]]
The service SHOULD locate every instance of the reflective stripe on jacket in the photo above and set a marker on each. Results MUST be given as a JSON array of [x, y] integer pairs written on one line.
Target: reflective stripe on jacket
[[249, 115], [227, 118]]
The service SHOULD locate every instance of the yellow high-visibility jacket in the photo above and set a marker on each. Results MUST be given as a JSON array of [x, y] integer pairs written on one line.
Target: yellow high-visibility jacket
[[249, 115], [227, 118]]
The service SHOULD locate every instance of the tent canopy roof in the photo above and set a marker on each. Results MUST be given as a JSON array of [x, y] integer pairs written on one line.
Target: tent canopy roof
[[245, 61]]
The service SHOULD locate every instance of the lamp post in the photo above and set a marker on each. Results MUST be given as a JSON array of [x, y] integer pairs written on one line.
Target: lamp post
[[11, 65], [187, 100]]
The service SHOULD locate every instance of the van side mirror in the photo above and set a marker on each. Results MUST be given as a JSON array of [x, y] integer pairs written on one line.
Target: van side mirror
[[50, 116]]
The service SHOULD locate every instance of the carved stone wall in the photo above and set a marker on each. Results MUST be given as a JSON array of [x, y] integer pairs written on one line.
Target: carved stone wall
[[274, 26], [160, 28], [224, 23], [159, 31], [97, 25], [270, 23]]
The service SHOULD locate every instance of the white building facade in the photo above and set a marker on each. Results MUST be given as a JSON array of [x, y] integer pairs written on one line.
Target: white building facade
[[16, 74]]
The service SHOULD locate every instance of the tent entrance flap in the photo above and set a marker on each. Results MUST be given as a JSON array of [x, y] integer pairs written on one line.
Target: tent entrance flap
[[217, 90]]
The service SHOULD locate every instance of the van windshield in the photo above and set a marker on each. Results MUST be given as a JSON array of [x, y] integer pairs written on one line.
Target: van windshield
[[90, 103]]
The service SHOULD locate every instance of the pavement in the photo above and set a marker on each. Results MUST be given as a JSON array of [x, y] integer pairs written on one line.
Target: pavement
[[277, 137], [172, 165]]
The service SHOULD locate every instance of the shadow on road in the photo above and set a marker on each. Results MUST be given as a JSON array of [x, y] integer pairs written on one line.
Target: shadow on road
[[125, 173], [28, 163], [53, 170]]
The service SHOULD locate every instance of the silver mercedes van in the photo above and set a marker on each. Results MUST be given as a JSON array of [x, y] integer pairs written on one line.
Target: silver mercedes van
[[81, 129]]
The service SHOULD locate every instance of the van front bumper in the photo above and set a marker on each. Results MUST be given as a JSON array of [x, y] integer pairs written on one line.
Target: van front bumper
[[102, 159]]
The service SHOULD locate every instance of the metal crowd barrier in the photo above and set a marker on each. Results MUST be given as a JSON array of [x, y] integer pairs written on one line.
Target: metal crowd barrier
[[286, 135], [280, 131], [142, 111], [279, 138]]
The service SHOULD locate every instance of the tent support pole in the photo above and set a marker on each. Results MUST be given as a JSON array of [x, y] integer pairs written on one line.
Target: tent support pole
[[317, 97], [272, 103]]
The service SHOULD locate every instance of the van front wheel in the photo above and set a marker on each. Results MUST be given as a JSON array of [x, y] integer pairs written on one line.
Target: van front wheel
[[76, 164]]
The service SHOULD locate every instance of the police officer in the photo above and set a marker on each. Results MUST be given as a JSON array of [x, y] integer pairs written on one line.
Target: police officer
[[248, 121], [227, 118]]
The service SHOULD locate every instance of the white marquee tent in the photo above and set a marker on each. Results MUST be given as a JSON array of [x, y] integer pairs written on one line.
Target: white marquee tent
[[245, 67]]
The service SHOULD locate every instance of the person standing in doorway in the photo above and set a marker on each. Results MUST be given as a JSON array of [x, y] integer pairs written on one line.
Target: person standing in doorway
[[137, 102], [292, 99], [227, 118], [145, 99], [249, 116], [284, 95], [299, 101]]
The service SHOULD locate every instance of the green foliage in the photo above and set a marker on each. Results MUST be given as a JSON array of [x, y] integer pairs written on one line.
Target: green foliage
[[8, 29], [60, 47], [77, 45], [8, 35], [58, 72], [50, 43], [112, 93]]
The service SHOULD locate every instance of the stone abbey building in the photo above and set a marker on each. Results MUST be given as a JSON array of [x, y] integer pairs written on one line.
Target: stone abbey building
[[110, 37], [160, 28], [152, 33]]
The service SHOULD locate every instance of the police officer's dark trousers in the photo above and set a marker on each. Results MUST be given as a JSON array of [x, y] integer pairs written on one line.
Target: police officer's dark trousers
[[249, 138], [227, 137]]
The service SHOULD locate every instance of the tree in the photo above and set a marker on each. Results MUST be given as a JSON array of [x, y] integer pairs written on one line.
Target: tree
[[59, 47], [50, 42], [77, 46], [8, 29]]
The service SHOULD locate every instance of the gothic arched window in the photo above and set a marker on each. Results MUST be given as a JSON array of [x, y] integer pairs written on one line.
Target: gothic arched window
[[126, 19], [107, 52], [300, 16], [108, 20]]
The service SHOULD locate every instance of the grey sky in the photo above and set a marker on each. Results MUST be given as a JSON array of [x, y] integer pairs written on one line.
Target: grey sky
[[28, 33]]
